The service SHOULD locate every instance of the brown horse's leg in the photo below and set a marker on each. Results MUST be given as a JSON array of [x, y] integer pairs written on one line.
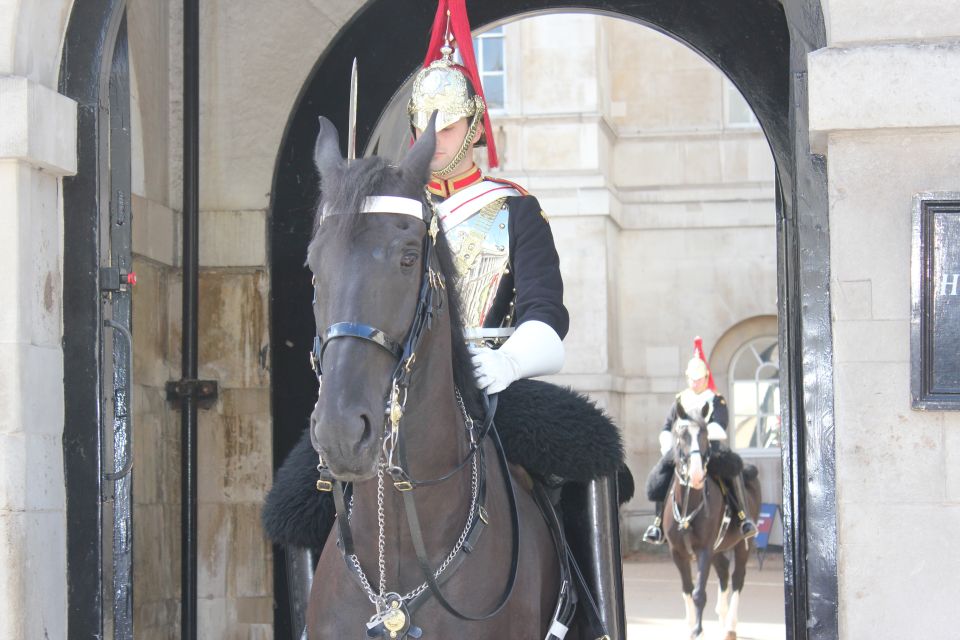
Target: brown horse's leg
[[700, 589], [722, 566], [682, 560], [741, 555]]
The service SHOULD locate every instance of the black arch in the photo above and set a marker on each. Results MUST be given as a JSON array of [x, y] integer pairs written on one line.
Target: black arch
[[761, 45]]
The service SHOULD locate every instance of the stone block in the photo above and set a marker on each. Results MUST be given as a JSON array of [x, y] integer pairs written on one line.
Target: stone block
[[249, 572], [45, 566], [31, 380], [38, 126], [234, 335], [951, 452], [156, 450], [151, 320], [214, 548], [701, 161], [213, 619], [556, 146], [156, 232], [925, 582], [13, 577], [847, 93], [878, 436], [647, 163], [662, 361], [233, 239], [32, 285], [156, 543], [852, 299], [238, 453], [890, 20], [155, 620], [871, 340]]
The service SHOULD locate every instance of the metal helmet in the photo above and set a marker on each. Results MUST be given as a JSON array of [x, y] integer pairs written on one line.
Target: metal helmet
[[443, 87], [696, 369]]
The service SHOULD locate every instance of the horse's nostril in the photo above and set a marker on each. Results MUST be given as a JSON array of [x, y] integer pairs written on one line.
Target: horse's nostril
[[367, 430]]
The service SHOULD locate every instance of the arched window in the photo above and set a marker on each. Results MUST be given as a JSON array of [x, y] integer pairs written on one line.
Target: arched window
[[754, 383]]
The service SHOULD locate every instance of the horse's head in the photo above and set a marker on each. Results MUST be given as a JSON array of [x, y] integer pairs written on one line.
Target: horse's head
[[691, 445], [368, 259]]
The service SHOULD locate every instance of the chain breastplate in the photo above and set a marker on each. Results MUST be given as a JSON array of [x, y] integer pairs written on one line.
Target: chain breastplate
[[481, 249]]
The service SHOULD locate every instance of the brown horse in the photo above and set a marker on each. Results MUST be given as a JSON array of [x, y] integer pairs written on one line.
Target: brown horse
[[695, 529], [430, 499]]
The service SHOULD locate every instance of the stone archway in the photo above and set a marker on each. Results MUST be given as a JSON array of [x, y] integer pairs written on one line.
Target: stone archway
[[761, 46]]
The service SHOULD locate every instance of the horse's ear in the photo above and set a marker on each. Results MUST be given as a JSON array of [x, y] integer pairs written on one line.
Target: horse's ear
[[681, 413], [326, 152], [416, 164], [705, 411]]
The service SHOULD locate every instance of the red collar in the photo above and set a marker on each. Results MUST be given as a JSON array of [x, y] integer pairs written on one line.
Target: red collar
[[446, 188]]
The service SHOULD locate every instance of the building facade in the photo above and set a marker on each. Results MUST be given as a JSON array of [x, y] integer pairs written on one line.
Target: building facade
[[655, 196]]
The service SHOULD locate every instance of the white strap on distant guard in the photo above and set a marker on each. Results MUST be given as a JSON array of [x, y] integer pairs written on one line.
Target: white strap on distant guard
[[393, 204]]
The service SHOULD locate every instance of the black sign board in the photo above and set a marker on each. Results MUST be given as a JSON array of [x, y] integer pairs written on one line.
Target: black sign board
[[935, 318]]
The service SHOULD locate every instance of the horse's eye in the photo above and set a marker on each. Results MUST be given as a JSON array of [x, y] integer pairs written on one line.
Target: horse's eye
[[409, 259]]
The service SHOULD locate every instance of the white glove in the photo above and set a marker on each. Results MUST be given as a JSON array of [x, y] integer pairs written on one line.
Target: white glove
[[666, 442], [534, 349], [716, 432]]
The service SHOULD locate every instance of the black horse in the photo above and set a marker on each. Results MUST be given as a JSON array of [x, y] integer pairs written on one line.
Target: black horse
[[430, 505], [696, 527]]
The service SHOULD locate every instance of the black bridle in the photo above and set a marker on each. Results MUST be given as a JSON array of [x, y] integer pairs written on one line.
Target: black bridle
[[429, 303], [682, 473]]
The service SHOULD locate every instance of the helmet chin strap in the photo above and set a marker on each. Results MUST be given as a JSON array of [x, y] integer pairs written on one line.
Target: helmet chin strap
[[465, 148]]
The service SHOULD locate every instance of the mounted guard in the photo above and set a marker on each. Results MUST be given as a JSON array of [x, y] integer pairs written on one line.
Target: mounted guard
[[700, 397], [511, 299]]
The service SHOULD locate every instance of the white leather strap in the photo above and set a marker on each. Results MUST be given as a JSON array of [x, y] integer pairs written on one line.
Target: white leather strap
[[393, 204], [467, 202]]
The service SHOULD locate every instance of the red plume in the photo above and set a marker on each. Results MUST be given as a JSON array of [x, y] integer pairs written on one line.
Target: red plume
[[698, 352], [460, 27]]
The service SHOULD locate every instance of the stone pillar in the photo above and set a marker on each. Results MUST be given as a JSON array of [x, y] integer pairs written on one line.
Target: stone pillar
[[37, 148], [886, 116]]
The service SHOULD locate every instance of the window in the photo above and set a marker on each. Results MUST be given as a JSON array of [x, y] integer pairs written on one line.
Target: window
[[754, 382], [490, 58], [736, 111]]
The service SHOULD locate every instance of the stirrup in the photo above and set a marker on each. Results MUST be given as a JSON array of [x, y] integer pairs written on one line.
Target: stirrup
[[748, 529], [653, 535]]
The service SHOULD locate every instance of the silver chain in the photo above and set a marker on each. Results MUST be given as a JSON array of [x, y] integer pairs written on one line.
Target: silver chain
[[379, 599]]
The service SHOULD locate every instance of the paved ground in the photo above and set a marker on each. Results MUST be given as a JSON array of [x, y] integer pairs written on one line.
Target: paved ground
[[655, 608]]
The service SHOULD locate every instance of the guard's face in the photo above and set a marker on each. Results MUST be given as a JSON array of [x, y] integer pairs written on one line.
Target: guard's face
[[449, 140], [698, 385]]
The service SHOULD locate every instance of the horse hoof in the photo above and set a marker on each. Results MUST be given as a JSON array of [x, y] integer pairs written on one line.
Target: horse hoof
[[731, 635]]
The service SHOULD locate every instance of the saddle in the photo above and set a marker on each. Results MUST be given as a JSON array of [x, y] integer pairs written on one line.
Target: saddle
[[553, 432]]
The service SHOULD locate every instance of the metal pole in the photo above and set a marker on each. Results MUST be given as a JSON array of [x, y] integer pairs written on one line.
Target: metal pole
[[191, 233]]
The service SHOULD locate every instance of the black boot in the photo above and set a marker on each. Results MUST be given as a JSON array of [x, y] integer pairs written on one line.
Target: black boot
[[654, 533], [747, 526], [591, 514], [300, 566]]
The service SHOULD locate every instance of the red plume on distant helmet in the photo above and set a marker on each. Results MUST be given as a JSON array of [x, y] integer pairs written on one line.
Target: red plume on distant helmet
[[698, 353], [459, 26]]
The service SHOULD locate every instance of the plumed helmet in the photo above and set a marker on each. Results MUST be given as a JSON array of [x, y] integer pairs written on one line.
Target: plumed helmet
[[454, 91]]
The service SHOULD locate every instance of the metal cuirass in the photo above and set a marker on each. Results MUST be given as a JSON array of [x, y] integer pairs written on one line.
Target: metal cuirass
[[481, 249]]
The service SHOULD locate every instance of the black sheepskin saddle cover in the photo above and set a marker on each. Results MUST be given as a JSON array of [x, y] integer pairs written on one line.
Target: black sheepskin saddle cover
[[551, 431], [724, 463]]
